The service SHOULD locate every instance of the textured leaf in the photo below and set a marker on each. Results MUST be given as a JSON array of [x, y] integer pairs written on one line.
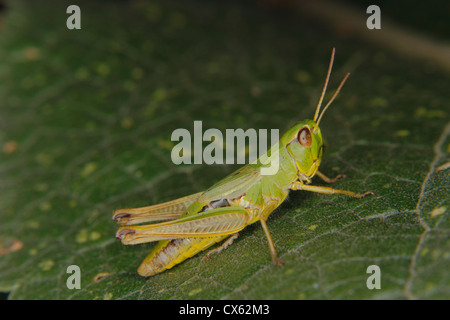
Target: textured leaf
[[86, 118]]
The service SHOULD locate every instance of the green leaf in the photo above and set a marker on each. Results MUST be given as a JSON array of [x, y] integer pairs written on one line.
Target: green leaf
[[86, 118]]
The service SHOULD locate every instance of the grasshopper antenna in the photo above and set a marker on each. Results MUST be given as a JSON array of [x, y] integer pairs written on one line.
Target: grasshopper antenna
[[325, 85], [332, 98]]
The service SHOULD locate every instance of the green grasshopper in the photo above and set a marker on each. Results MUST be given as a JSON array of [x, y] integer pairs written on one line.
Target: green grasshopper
[[198, 221]]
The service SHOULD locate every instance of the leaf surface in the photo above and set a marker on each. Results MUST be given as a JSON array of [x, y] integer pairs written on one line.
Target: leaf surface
[[86, 118]]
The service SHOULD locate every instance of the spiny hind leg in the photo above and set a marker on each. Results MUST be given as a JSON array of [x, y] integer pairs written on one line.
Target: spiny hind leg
[[212, 223], [225, 245]]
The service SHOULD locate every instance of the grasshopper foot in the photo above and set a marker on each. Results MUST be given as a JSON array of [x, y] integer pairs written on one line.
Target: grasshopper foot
[[329, 180], [337, 178], [278, 262], [365, 194]]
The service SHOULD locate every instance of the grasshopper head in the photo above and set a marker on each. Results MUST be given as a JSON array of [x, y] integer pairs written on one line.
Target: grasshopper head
[[304, 140], [305, 145]]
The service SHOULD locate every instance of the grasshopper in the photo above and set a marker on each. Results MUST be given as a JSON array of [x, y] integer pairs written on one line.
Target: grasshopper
[[196, 222]]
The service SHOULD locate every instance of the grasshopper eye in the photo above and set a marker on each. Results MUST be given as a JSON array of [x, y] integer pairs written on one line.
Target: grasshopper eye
[[304, 137]]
